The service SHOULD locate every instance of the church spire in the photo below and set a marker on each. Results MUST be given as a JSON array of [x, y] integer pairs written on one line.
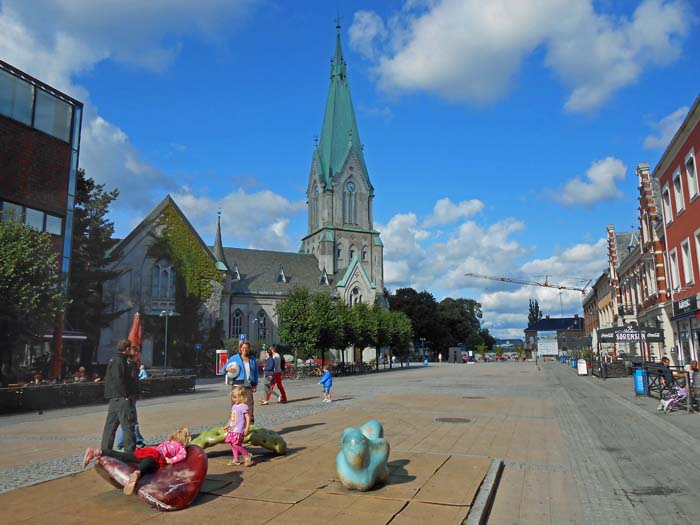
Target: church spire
[[221, 263], [339, 135]]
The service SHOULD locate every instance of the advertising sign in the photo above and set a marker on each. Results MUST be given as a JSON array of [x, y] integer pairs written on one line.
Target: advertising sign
[[630, 333], [221, 358], [547, 343], [582, 367]]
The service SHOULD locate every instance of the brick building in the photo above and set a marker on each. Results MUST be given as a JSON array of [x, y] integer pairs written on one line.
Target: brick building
[[39, 144]]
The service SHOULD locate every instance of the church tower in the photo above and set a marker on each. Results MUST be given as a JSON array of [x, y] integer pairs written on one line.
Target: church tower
[[339, 195]]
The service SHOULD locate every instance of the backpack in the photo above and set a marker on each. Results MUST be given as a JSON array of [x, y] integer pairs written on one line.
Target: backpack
[[283, 363]]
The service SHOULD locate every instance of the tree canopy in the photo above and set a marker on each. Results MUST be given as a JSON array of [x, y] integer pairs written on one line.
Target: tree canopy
[[91, 241], [30, 286], [534, 313]]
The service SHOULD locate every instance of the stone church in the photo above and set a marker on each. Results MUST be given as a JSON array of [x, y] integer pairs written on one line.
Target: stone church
[[341, 253]]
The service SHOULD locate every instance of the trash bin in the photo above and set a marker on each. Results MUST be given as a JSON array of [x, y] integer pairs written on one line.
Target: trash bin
[[425, 361], [573, 363], [641, 382]]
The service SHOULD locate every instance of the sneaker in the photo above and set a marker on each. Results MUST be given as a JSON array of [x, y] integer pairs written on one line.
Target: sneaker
[[327, 400], [279, 398], [233, 462], [141, 444], [248, 460]]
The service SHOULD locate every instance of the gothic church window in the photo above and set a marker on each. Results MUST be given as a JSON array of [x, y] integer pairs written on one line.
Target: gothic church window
[[163, 281], [236, 323], [350, 212], [355, 296], [364, 254], [262, 325]]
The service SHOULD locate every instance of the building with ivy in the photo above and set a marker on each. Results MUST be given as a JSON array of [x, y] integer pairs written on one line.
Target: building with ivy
[[209, 294]]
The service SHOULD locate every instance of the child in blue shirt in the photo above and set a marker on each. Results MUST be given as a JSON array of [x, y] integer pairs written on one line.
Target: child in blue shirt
[[327, 382]]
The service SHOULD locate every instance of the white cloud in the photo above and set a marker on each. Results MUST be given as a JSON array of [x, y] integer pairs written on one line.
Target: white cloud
[[264, 229], [445, 211], [666, 128], [599, 185], [471, 51]]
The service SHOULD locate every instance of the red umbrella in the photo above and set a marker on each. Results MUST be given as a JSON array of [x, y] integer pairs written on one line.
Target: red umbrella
[[135, 332]]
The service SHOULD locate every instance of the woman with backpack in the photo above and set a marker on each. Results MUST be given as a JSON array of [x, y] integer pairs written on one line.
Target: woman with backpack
[[279, 372]]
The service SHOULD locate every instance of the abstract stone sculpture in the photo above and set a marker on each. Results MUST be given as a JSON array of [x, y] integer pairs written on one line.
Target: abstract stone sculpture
[[258, 436], [362, 460], [172, 487]]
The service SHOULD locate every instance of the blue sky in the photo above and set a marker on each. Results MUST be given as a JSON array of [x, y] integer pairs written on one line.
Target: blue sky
[[500, 137]]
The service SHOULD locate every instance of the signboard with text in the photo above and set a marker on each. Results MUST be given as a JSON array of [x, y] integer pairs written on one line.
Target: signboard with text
[[547, 343], [630, 334]]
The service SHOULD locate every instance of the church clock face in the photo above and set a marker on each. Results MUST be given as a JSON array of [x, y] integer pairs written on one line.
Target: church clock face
[[350, 186]]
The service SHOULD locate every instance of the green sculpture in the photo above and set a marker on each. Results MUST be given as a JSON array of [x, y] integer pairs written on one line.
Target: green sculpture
[[258, 436], [362, 460]]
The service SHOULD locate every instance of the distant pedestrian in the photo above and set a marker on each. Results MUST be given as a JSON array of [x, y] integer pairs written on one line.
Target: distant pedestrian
[[120, 390], [279, 372], [268, 377], [238, 426], [327, 382], [245, 370], [440, 358]]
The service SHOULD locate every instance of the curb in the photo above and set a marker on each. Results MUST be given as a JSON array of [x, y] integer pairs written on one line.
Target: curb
[[481, 506]]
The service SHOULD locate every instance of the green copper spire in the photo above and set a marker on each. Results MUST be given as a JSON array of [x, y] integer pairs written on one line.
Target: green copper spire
[[340, 134]]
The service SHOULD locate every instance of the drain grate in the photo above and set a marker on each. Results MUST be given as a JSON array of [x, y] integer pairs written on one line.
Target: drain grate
[[473, 397], [454, 420]]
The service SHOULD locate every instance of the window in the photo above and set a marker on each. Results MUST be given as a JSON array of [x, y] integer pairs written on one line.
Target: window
[[11, 212], [675, 281], [52, 116], [31, 217], [34, 218], [678, 192], [666, 203], [315, 217], [16, 98], [350, 213], [697, 246], [54, 225], [687, 262], [262, 325], [355, 296], [692, 175], [236, 323], [163, 281], [351, 253], [339, 251]]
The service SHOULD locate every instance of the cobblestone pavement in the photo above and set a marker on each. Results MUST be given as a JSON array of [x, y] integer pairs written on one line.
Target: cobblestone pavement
[[576, 449]]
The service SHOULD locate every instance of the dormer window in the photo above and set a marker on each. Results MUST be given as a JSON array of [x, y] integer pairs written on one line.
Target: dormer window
[[324, 277], [350, 211], [281, 277], [235, 274]]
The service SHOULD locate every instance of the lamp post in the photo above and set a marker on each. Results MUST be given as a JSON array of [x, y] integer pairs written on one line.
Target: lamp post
[[166, 314], [422, 345]]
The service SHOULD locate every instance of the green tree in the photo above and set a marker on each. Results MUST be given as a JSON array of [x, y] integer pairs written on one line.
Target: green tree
[[325, 320], [461, 319], [400, 334], [30, 286], [534, 313], [481, 350], [91, 241], [422, 309], [364, 326], [520, 350], [295, 323]]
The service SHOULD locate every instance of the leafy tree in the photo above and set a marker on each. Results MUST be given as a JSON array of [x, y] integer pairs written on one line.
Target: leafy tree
[[325, 321], [534, 313], [295, 323], [519, 350], [422, 309], [30, 286], [481, 350], [364, 326], [400, 333], [499, 351], [460, 319], [91, 241]]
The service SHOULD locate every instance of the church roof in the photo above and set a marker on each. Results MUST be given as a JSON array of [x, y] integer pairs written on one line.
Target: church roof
[[260, 269], [340, 135], [355, 261]]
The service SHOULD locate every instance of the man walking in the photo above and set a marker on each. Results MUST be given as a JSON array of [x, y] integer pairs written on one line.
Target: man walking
[[120, 390], [282, 396]]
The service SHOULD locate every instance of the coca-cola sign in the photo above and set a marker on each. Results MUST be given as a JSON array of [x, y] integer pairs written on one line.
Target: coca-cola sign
[[630, 334], [685, 305]]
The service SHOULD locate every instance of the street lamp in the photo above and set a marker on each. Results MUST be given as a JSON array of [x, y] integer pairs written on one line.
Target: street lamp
[[166, 314], [422, 345]]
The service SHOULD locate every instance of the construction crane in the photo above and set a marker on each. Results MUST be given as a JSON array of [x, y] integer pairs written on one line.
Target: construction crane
[[545, 284]]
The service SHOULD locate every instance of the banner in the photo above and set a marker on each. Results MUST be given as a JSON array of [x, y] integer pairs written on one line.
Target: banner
[[630, 334]]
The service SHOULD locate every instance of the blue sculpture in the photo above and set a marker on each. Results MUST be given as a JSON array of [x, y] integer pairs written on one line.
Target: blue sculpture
[[362, 460]]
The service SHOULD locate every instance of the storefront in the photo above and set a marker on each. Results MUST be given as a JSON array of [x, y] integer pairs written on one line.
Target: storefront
[[686, 328]]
